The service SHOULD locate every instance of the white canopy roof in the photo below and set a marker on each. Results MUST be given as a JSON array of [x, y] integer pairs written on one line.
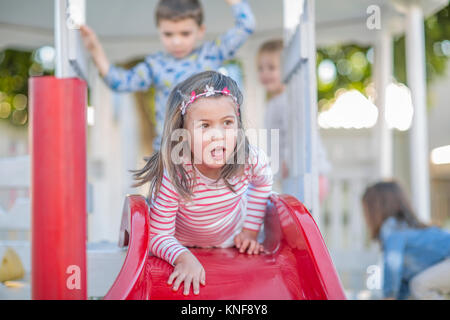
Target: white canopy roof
[[30, 23]]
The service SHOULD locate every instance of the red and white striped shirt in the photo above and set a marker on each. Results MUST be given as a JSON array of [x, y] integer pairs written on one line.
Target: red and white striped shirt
[[214, 215]]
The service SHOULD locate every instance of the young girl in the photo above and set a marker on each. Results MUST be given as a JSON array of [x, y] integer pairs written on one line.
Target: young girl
[[208, 186], [416, 257]]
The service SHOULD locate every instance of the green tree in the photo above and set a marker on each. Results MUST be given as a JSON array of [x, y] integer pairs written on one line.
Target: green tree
[[353, 73], [16, 66]]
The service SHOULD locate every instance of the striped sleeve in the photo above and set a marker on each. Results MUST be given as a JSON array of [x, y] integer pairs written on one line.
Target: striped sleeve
[[163, 211], [259, 190]]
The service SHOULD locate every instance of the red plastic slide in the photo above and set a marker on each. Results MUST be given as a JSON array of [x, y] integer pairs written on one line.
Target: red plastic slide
[[297, 265]]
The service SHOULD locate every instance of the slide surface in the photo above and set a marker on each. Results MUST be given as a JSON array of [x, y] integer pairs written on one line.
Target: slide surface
[[297, 264]]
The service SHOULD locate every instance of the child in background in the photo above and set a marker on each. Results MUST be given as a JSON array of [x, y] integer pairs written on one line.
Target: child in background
[[416, 257], [215, 193], [180, 26], [276, 117], [269, 71]]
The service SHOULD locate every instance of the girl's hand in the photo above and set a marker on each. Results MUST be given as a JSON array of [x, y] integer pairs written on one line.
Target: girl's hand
[[247, 239], [187, 269], [232, 2]]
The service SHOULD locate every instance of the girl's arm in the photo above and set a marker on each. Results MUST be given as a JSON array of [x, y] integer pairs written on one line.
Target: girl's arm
[[164, 245], [163, 211], [261, 180], [258, 193]]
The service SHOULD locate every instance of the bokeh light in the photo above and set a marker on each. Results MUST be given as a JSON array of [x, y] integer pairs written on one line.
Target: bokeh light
[[441, 155], [344, 67], [36, 70], [327, 71], [398, 108], [20, 101], [358, 60], [90, 116], [19, 117], [351, 110], [445, 47], [5, 109], [369, 55], [45, 56]]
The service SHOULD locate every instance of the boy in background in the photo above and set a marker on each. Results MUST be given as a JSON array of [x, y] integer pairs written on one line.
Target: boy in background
[[181, 28]]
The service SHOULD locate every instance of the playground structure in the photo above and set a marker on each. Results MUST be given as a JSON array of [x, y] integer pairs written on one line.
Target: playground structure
[[306, 176], [63, 136], [58, 149], [296, 263]]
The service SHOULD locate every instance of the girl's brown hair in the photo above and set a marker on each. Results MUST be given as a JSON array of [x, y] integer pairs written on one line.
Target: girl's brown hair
[[387, 199], [176, 10], [162, 160]]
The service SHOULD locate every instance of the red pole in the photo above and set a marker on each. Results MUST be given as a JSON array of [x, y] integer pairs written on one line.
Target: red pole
[[58, 187]]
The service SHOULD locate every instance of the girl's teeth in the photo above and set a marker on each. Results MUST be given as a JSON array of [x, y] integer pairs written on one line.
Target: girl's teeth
[[217, 152]]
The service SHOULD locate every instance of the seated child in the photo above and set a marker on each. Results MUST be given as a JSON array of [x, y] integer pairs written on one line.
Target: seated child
[[416, 257], [208, 186], [180, 26]]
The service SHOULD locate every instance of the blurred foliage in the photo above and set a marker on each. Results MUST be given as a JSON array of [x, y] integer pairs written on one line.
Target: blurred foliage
[[437, 35], [437, 30], [352, 72], [16, 66]]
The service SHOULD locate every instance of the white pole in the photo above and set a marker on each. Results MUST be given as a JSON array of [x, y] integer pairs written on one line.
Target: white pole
[[299, 69], [62, 66], [68, 14], [415, 66], [383, 71], [313, 112]]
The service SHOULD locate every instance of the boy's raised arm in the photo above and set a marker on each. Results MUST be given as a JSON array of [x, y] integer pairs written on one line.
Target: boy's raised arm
[[94, 47], [226, 45], [136, 79]]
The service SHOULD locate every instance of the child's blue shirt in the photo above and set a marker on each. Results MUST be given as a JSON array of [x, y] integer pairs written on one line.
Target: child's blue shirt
[[163, 71], [408, 251]]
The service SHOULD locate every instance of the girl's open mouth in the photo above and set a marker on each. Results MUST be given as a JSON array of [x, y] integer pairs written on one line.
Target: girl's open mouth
[[218, 153]]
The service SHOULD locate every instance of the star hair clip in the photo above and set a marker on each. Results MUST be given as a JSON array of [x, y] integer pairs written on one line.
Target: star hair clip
[[209, 91]]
